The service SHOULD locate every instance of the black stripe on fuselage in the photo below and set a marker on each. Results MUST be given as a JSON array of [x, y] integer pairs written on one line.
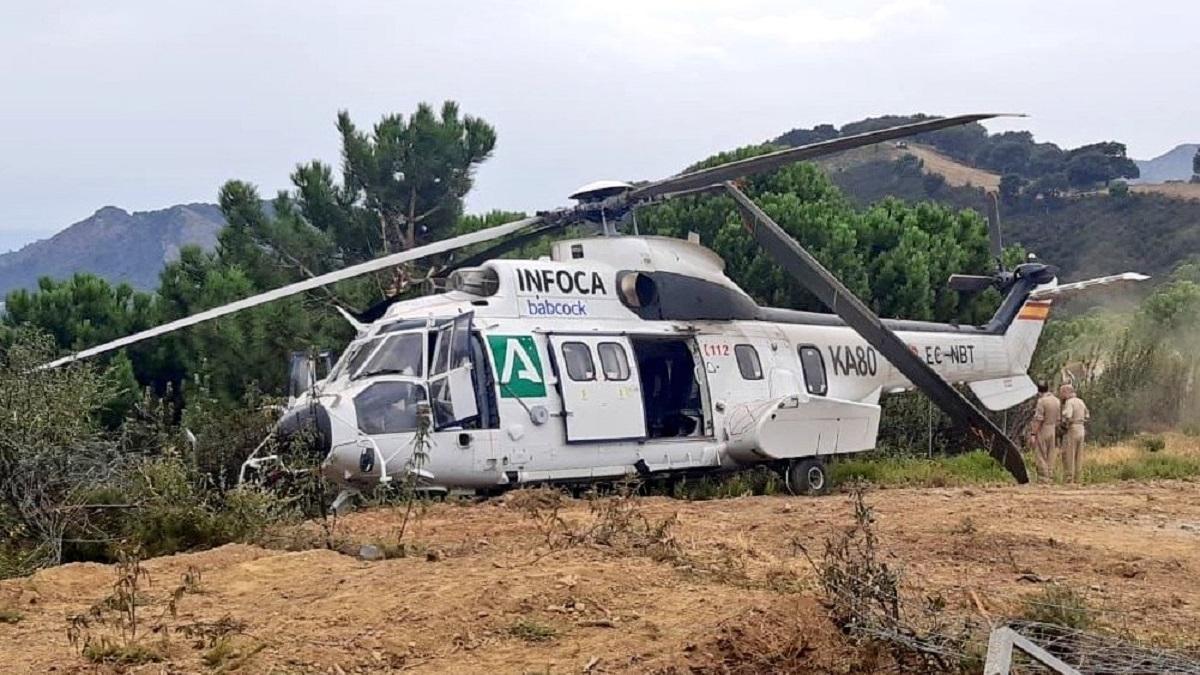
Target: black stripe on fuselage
[[679, 297]]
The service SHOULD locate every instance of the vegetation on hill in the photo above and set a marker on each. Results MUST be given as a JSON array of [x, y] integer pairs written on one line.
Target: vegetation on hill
[[1084, 235], [1042, 168]]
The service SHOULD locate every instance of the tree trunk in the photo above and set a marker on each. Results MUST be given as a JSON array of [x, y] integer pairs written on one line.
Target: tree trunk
[[383, 233], [412, 217]]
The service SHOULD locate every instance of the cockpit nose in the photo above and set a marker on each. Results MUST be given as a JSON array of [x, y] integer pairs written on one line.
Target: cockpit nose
[[306, 429]]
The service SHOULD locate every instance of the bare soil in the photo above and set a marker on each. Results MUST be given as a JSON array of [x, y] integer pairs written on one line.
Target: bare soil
[[955, 173], [485, 593]]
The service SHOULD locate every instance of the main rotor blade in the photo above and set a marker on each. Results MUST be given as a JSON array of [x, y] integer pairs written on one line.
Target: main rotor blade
[[307, 285], [774, 160], [496, 250], [375, 311], [813, 276]]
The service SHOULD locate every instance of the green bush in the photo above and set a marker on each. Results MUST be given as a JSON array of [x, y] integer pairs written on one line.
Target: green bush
[[759, 480], [1059, 606], [1151, 443], [173, 509], [972, 468], [530, 630]]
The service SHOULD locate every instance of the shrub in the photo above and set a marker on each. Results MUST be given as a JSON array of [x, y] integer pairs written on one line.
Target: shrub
[[1151, 443], [972, 468], [759, 480], [178, 511], [110, 652], [1059, 605], [532, 631]]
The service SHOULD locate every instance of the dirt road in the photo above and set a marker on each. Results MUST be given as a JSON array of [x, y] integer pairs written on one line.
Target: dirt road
[[485, 592]]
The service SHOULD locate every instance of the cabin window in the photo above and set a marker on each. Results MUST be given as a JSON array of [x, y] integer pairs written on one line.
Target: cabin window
[[578, 359], [613, 361], [389, 407], [814, 370], [747, 362]]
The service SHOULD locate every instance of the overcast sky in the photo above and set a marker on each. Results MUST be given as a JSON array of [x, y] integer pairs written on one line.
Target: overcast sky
[[147, 104]]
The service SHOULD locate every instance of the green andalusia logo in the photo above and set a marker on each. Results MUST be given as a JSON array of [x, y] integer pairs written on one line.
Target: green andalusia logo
[[519, 366]]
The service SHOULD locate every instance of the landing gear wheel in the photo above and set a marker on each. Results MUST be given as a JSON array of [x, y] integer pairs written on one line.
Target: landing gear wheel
[[806, 477]]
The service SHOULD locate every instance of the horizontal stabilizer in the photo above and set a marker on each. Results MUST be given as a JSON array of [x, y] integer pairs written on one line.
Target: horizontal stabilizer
[[1003, 392], [1075, 287]]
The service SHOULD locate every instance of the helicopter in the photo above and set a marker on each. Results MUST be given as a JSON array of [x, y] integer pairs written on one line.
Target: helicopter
[[622, 354]]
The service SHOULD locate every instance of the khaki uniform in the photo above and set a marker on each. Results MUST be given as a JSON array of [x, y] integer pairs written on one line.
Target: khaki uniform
[[1046, 417], [1074, 416]]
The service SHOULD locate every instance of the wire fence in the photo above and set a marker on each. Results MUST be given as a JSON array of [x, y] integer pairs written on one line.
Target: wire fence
[[941, 640], [868, 599], [1093, 652]]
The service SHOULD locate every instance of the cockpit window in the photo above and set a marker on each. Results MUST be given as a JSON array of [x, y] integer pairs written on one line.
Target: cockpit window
[[389, 407], [359, 354], [398, 355]]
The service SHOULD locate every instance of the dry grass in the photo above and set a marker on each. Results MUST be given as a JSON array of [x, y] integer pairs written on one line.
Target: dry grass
[[1176, 190], [955, 173], [1177, 445]]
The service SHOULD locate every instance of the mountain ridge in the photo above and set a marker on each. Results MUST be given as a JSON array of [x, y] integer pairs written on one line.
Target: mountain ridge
[[1174, 164], [114, 244]]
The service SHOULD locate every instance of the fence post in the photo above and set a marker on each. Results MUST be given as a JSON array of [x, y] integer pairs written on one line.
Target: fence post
[[999, 653]]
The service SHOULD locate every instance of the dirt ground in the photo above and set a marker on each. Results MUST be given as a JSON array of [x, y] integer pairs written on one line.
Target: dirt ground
[[486, 593]]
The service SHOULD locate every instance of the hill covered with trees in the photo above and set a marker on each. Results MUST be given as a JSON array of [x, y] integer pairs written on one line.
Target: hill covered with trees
[[1085, 234], [1025, 164]]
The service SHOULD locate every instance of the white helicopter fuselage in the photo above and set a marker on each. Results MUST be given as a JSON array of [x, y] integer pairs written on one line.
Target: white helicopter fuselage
[[549, 371]]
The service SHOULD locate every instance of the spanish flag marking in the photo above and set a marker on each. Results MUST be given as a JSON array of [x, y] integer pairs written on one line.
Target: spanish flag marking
[[1035, 310]]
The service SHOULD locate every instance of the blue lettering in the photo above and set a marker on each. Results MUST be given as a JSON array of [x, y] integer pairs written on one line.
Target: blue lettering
[[551, 308]]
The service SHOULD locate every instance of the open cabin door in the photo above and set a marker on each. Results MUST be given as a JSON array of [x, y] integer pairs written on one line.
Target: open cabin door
[[601, 389], [451, 384]]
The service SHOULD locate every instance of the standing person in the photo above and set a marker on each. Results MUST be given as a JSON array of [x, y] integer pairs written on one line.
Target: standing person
[[1046, 417], [1074, 416]]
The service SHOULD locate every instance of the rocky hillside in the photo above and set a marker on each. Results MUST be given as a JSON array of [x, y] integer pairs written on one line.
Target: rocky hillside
[[115, 245]]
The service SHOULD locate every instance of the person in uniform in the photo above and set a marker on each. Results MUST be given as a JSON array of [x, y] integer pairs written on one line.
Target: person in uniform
[[1074, 416], [1046, 416]]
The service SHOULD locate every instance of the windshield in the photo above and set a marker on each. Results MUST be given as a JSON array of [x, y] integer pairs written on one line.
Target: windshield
[[400, 354]]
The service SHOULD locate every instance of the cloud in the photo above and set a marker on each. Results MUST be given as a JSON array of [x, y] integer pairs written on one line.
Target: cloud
[[672, 31]]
